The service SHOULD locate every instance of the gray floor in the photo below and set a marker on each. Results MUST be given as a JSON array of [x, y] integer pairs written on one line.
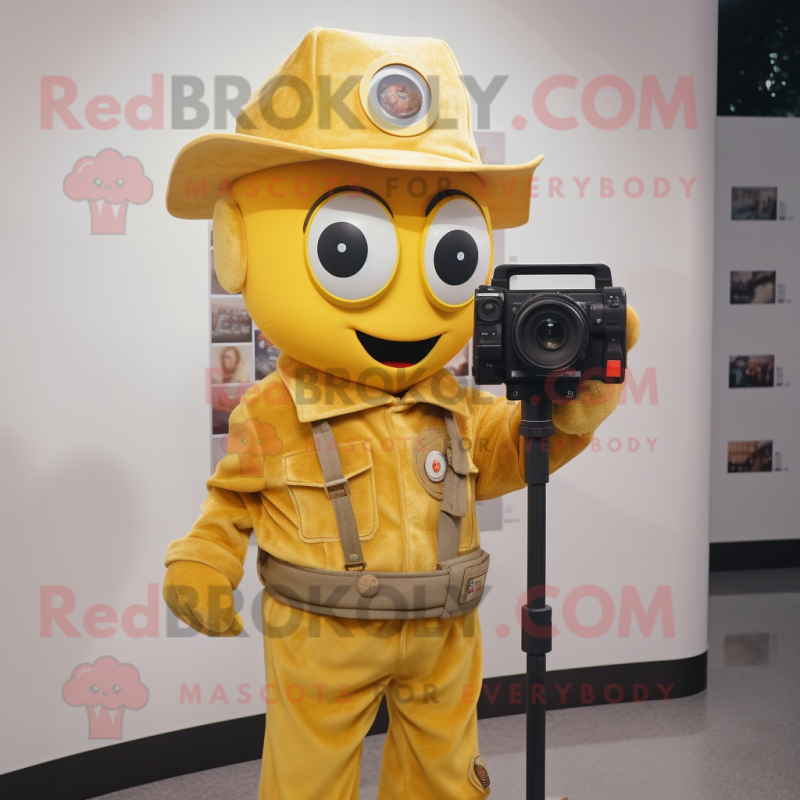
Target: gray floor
[[739, 739]]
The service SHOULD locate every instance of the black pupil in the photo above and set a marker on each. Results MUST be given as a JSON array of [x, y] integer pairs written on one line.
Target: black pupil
[[342, 249], [550, 334], [455, 257]]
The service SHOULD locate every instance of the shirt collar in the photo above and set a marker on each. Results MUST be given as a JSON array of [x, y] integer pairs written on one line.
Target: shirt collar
[[320, 395]]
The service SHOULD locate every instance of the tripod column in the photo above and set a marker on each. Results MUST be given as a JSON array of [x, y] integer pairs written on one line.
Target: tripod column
[[536, 427]]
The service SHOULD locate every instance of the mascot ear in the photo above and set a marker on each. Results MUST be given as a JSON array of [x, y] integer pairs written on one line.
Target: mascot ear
[[230, 245]]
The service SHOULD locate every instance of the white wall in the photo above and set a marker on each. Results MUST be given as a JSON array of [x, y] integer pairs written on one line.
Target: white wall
[[757, 152], [104, 429]]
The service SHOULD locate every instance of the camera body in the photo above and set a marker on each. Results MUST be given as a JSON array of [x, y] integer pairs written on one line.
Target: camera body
[[550, 325]]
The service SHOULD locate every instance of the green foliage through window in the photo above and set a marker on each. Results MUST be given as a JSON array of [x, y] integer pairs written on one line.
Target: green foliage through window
[[759, 58]]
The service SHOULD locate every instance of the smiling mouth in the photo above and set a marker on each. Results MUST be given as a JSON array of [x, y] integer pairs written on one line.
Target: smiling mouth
[[392, 353]]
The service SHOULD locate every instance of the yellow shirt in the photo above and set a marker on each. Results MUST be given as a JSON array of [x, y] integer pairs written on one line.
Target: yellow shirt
[[270, 482]]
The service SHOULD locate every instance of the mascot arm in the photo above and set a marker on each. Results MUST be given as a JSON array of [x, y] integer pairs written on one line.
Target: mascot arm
[[498, 450], [577, 421], [206, 565]]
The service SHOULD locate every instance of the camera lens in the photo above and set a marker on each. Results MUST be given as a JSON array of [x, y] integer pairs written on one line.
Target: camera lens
[[489, 309], [550, 334]]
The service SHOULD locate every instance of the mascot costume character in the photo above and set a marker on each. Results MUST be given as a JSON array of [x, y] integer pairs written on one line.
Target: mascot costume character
[[352, 211]]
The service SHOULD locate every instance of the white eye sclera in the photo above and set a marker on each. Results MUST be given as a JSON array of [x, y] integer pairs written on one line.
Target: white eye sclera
[[352, 247], [457, 251]]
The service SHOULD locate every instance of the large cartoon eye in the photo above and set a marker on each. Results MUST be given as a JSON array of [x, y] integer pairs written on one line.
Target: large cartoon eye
[[457, 252], [94, 688], [97, 182], [352, 249], [119, 183]]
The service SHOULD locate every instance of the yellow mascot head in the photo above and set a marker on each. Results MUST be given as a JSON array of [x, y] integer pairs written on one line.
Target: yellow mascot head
[[351, 208]]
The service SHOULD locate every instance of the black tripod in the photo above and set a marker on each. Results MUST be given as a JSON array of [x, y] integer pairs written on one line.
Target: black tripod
[[537, 617]]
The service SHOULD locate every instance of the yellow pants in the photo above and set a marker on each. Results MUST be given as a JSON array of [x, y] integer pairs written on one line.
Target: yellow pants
[[325, 679]]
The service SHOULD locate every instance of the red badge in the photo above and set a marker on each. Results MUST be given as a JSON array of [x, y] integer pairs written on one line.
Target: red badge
[[480, 772], [435, 466]]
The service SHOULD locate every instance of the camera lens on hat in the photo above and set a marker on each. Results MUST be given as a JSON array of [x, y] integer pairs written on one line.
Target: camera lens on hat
[[398, 97], [489, 309]]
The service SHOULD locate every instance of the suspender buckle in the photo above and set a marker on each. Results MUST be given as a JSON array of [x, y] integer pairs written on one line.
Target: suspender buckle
[[337, 488]]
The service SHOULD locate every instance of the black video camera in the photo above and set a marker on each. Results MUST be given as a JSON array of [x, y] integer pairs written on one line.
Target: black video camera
[[549, 324]]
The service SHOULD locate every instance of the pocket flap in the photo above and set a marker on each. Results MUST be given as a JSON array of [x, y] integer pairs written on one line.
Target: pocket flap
[[303, 469]]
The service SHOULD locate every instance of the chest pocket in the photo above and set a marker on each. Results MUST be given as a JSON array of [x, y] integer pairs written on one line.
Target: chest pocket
[[316, 520]]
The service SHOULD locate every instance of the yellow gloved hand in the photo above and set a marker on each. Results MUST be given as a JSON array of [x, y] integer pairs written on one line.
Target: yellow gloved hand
[[202, 597], [577, 420], [596, 400]]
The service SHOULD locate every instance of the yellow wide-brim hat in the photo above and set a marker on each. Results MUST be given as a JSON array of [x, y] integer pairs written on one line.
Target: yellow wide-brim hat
[[383, 101]]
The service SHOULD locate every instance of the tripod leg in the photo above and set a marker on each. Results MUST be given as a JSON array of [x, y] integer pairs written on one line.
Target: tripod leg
[[536, 615], [534, 778], [536, 635]]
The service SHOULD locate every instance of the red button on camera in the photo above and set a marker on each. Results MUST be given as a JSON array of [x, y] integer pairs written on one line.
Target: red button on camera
[[613, 369]]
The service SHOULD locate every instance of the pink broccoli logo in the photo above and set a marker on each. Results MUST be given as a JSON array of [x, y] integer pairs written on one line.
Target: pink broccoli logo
[[109, 181], [106, 688], [252, 440]]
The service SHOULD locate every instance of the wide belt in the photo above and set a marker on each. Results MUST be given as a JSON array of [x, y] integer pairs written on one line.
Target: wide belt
[[454, 588]]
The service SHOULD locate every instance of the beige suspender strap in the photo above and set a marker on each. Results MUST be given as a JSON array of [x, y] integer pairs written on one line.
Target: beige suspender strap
[[337, 488], [454, 493]]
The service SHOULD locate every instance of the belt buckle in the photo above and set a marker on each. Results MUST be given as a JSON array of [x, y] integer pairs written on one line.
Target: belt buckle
[[340, 485]]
